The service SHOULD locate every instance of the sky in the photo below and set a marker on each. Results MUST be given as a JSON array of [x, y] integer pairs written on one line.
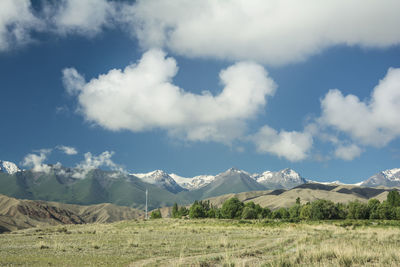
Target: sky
[[196, 87]]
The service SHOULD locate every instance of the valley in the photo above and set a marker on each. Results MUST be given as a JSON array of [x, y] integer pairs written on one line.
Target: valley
[[206, 242]]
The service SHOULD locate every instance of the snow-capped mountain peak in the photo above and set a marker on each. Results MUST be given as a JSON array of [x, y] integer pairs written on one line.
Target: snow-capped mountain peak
[[193, 182], [286, 178], [392, 174], [389, 178], [160, 179], [9, 167], [234, 170]]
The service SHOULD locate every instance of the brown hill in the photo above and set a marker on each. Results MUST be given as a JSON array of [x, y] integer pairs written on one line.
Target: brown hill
[[18, 214], [307, 193]]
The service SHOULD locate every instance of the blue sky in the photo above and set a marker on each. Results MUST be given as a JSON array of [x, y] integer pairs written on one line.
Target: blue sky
[[269, 69]]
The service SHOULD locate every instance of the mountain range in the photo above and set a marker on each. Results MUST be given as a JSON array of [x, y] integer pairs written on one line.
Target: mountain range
[[87, 187]]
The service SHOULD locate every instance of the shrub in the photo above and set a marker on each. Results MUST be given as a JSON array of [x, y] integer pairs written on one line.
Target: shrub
[[385, 211], [232, 208], [249, 213], [305, 212], [280, 213], [156, 214], [197, 210], [357, 210], [294, 211], [323, 210]]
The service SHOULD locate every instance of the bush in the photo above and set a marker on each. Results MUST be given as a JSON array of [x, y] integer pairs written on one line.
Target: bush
[[373, 205], [156, 214], [280, 213], [357, 210], [249, 213], [305, 212], [232, 208], [294, 211], [323, 210], [266, 213], [197, 210], [386, 211]]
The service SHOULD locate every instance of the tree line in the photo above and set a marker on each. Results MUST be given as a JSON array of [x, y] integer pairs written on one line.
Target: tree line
[[320, 209]]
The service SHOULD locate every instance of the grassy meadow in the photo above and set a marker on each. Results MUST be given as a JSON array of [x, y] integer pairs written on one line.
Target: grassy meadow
[[205, 242]]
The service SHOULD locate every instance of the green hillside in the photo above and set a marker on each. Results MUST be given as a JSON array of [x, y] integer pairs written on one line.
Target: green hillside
[[97, 187]]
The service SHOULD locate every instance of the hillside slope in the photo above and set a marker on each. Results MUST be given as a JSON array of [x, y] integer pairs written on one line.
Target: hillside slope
[[19, 214], [275, 199], [231, 181], [96, 187]]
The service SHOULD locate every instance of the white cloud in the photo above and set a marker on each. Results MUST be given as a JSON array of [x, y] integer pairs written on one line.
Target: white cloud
[[72, 81], [349, 152], [92, 162], [267, 31], [373, 122], [272, 32], [84, 17], [87, 17], [142, 97], [293, 146], [35, 161], [16, 22], [67, 150]]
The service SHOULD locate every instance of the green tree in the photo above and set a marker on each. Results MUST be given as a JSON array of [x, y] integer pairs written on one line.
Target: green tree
[[156, 214], [298, 202], [385, 211], [396, 213], [197, 210], [280, 213], [373, 205], [265, 213], [305, 212], [393, 198], [212, 213], [294, 211], [341, 210], [249, 213], [323, 210], [183, 211], [232, 208], [175, 211], [357, 210]]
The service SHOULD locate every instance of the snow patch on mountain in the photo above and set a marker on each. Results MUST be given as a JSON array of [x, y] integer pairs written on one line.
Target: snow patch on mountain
[[9, 167], [389, 178], [160, 179], [286, 178], [193, 182]]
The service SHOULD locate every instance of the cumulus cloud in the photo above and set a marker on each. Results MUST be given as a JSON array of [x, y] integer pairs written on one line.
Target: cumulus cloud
[[35, 161], [293, 145], [142, 97], [348, 152], [16, 23], [84, 17], [272, 32], [373, 122], [92, 162], [67, 150], [87, 17]]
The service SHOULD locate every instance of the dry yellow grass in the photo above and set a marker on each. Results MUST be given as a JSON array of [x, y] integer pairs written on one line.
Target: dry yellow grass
[[174, 242]]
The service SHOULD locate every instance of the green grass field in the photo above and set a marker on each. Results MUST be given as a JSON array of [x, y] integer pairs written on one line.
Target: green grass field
[[176, 242]]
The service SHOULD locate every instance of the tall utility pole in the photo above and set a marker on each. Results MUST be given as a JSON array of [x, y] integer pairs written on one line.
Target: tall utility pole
[[147, 217]]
